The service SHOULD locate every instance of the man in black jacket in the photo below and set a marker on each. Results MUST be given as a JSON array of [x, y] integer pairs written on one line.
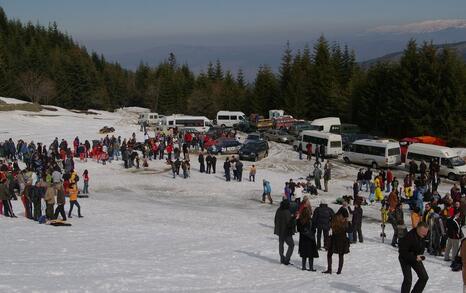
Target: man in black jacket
[[284, 228], [322, 217], [411, 250]]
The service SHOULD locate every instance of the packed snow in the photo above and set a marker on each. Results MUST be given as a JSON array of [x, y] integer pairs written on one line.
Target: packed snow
[[144, 231], [12, 101]]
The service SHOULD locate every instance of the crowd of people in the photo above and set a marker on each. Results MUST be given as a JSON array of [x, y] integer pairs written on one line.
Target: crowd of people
[[48, 177], [436, 220]]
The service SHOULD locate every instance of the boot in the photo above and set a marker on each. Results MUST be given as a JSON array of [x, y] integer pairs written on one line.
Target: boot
[[311, 265], [303, 260]]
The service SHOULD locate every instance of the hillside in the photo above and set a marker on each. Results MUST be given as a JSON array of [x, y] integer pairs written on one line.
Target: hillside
[[459, 48]]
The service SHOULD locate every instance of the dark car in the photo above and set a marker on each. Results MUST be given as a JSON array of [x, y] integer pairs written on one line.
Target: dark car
[[254, 150], [255, 136], [244, 127], [225, 146]]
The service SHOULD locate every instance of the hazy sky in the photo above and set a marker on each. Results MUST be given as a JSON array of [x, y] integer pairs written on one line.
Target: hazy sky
[[113, 19]]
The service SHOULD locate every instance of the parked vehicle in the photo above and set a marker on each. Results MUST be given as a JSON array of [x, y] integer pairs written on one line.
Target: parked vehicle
[[328, 124], [278, 135], [245, 126], [149, 119], [299, 126], [451, 165], [200, 123], [405, 142], [229, 118], [332, 142], [283, 122], [253, 137], [254, 150], [276, 113], [374, 152], [259, 122], [225, 146]]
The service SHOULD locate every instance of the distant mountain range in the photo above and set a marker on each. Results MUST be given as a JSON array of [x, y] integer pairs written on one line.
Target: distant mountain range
[[459, 48], [369, 45]]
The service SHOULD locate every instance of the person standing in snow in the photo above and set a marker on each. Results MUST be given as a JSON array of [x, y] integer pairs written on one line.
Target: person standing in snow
[[252, 173], [86, 182], [327, 175], [74, 200], [357, 222], [322, 218], [208, 161], [60, 202], [317, 175], [201, 162], [338, 243], [214, 163], [267, 191], [239, 170], [284, 228], [307, 240], [411, 250], [226, 168]]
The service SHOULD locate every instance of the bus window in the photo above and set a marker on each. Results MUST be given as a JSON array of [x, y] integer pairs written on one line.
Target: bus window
[[335, 144], [394, 152]]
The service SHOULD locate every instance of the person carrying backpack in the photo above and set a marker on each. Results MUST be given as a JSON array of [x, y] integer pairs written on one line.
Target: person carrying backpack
[[74, 200]]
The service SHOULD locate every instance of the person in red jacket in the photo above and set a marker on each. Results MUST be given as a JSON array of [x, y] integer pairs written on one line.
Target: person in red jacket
[[389, 180], [309, 151], [169, 150]]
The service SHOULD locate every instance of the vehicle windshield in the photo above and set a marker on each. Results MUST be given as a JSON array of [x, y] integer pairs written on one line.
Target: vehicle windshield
[[253, 136], [457, 161], [282, 132], [316, 127]]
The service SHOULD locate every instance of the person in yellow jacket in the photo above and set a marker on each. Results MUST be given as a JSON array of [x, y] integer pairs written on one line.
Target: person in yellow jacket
[[378, 189], [73, 189]]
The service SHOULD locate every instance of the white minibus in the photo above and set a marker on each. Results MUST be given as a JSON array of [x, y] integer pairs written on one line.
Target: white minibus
[[199, 123], [451, 165], [328, 124], [229, 118], [374, 152], [332, 142]]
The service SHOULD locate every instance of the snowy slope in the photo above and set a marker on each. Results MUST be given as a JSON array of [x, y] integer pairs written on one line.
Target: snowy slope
[[146, 232]]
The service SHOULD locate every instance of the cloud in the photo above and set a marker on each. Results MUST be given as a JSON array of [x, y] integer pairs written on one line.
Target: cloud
[[428, 26]]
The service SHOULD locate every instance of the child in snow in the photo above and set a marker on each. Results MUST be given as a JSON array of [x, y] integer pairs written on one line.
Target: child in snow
[[252, 173], [74, 200]]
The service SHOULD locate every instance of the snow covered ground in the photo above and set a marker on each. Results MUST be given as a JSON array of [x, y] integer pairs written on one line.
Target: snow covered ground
[[143, 231]]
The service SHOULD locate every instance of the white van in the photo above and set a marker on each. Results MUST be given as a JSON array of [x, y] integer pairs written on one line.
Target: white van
[[451, 165], [328, 124], [149, 118], [332, 142], [199, 123], [374, 152], [229, 118]]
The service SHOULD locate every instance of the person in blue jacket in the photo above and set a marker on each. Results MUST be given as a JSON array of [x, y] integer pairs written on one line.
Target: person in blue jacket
[[267, 191]]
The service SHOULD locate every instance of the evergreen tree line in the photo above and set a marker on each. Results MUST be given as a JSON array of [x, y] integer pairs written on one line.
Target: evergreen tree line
[[422, 94]]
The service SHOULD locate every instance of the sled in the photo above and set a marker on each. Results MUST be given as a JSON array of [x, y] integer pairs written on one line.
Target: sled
[[58, 223]]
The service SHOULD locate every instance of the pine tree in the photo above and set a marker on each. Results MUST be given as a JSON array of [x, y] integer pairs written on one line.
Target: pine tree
[[218, 74]]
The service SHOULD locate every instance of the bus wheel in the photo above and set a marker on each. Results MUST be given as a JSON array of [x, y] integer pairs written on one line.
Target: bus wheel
[[347, 160], [452, 176], [374, 165]]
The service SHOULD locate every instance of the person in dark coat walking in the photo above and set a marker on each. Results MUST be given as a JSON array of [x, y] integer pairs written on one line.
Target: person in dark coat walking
[[208, 161], [357, 222], [214, 163], [226, 168], [307, 239], [284, 228], [201, 162], [239, 170], [339, 244], [321, 219], [411, 250]]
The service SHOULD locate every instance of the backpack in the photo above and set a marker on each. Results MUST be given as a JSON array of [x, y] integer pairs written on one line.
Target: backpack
[[76, 178]]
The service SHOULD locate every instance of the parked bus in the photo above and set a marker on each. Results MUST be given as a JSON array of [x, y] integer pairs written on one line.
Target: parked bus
[[229, 118], [199, 123], [374, 152], [328, 124], [332, 142], [451, 165]]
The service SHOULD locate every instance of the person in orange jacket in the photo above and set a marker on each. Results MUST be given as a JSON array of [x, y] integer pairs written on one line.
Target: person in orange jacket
[[73, 189]]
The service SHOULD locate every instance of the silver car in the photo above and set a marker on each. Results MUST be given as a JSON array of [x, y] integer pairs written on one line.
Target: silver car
[[278, 135]]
